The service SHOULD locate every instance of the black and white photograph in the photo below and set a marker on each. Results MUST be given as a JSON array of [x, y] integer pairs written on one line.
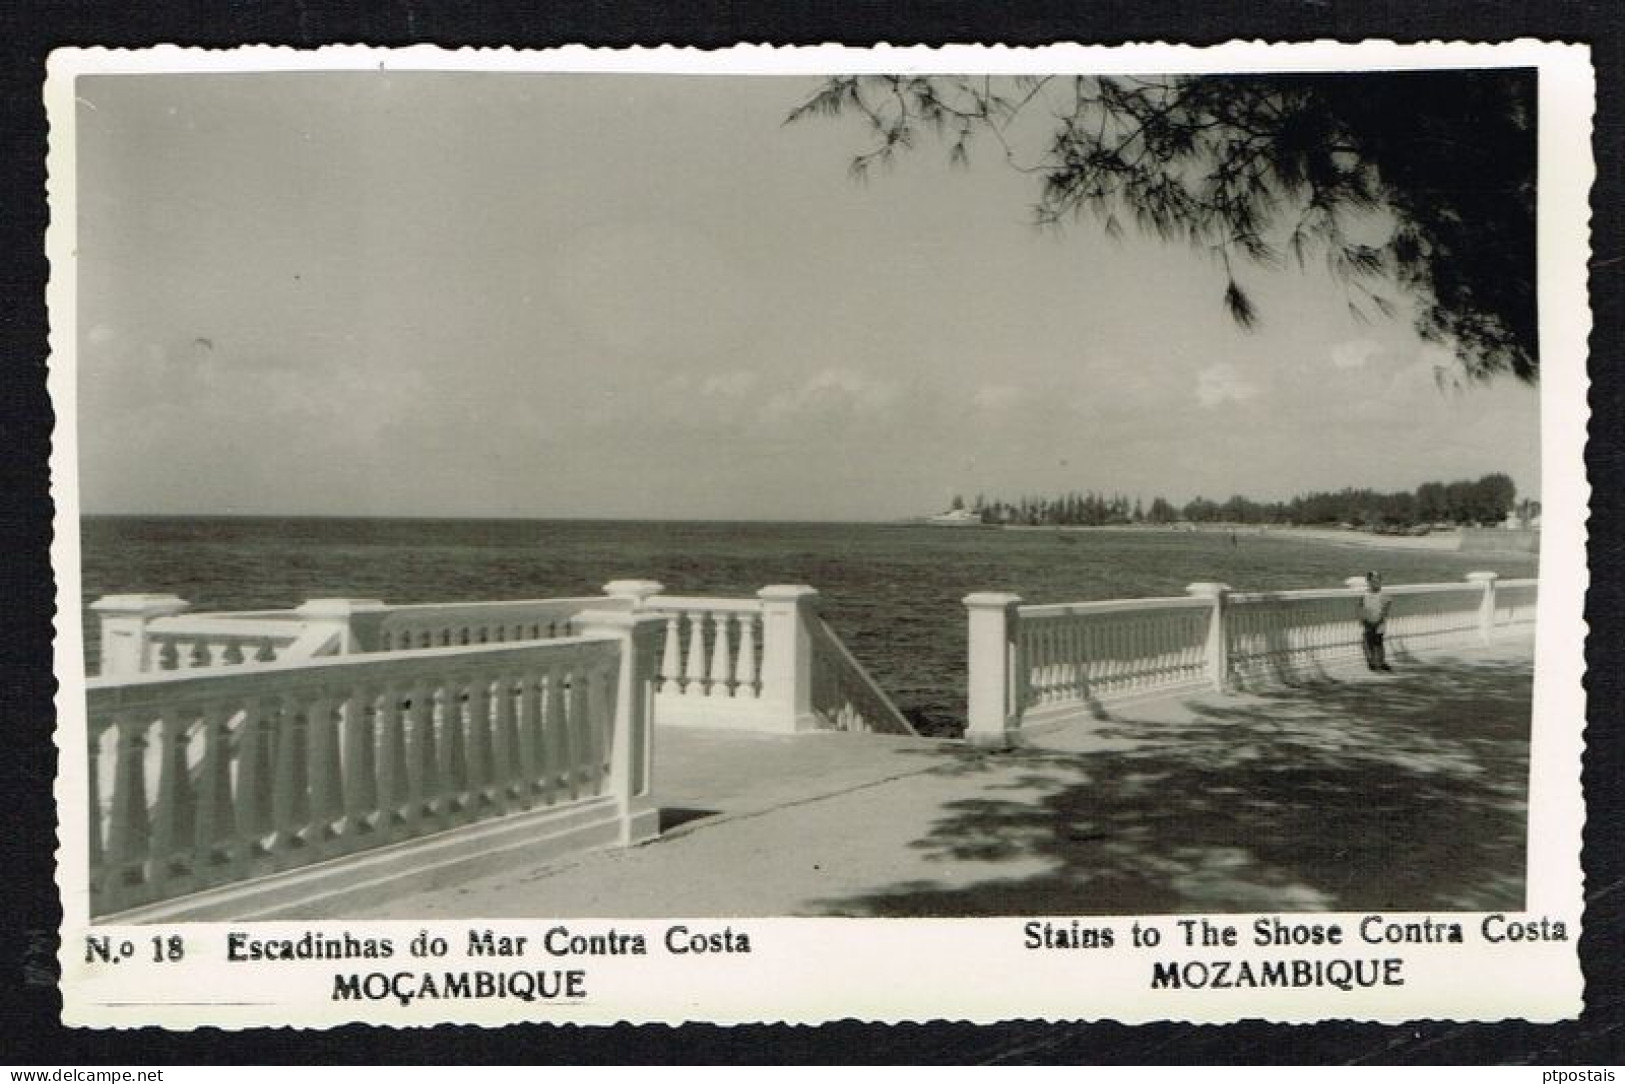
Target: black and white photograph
[[584, 498]]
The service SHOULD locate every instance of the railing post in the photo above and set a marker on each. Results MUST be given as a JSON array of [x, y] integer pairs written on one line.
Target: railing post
[[355, 620], [636, 592], [631, 756], [788, 611], [124, 620], [1486, 605], [993, 714], [1218, 635]]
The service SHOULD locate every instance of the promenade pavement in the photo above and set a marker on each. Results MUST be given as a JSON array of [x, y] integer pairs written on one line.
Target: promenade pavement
[[1352, 791]]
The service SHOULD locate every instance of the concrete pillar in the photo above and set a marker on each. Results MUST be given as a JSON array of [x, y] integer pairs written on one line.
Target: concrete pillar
[[993, 715], [788, 611], [124, 620], [636, 592], [355, 620], [1218, 636], [631, 751], [1486, 605]]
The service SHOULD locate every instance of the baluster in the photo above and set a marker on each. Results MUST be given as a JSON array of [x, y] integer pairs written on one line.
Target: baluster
[[721, 679], [1144, 660], [746, 674], [1168, 658], [360, 761], [251, 803], [1052, 669], [559, 760], [1024, 667], [1060, 663], [481, 775], [455, 784], [1108, 655], [1058, 660], [1151, 643], [671, 656], [174, 815], [1148, 640], [422, 760], [1041, 656], [1125, 651], [506, 771], [599, 717], [572, 729], [532, 761], [394, 755], [217, 653], [1069, 659], [98, 811], [1140, 653], [1033, 643], [1086, 657], [1168, 649], [1190, 654], [1021, 669], [1055, 636], [322, 768], [695, 674], [128, 825], [1128, 651], [1107, 644], [290, 787]]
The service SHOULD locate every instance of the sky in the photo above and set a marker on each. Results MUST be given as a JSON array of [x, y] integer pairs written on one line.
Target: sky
[[634, 296]]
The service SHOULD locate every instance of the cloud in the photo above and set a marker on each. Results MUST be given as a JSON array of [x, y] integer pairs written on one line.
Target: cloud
[[1355, 354], [998, 397], [1223, 383], [731, 384], [833, 394]]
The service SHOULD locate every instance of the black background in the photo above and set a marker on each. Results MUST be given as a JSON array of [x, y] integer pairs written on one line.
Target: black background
[[30, 1032]]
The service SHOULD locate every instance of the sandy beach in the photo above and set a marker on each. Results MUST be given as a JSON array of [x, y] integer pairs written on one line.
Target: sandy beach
[[1445, 541], [1437, 540]]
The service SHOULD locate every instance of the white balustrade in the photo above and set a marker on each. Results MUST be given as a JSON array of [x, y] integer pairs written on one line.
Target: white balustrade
[[764, 664], [1074, 653], [733, 662], [208, 776], [406, 628], [844, 695], [1294, 633], [1282, 634], [199, 641], [1515, 602], [711, 648], [1037, 666]]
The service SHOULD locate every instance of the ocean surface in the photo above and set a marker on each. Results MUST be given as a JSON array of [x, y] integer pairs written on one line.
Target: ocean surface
[[891, 591]]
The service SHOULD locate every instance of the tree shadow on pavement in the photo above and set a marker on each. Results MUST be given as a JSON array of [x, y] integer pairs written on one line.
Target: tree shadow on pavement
[[1394, 792]]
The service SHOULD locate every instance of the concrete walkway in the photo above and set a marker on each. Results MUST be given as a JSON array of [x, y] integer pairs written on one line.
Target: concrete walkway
[[1355, 791]]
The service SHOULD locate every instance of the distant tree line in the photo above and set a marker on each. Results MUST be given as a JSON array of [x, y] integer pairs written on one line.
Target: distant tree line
[[1487, 501]]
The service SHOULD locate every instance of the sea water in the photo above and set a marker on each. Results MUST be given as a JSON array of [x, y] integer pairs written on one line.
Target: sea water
[[891, 591]]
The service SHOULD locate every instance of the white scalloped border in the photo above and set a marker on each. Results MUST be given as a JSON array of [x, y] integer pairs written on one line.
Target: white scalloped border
[[1557, 814]]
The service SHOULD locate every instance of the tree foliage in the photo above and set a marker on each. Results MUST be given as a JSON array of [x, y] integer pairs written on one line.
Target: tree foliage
[[1487, 501], [1422, 182]]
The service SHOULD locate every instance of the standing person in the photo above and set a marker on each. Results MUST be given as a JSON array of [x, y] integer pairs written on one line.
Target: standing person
[[1374, 607]]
